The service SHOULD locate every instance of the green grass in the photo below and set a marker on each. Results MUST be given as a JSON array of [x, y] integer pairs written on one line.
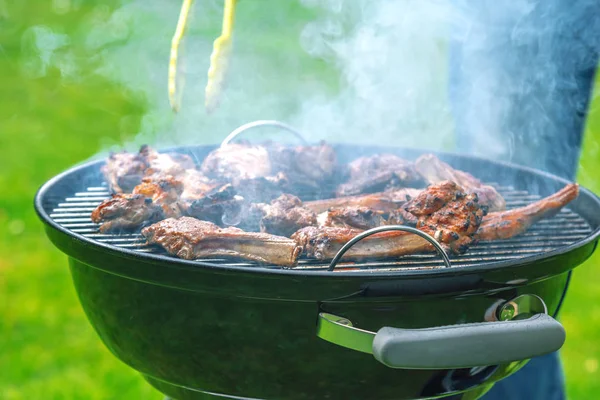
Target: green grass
[[50, 121]]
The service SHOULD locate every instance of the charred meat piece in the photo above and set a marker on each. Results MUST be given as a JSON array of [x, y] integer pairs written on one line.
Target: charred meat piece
[[432, 198], [506, 224], [435, 170], [377, 173], [125, 211], [123, 171], [221, 206], [455, 223], [452, 218], [235, 161], [304, 168], [448, 214], [190, 238], [323, 243], [283, 216], [354, 217], [383, 201], [402, 217], [263, 189], [150, 201]]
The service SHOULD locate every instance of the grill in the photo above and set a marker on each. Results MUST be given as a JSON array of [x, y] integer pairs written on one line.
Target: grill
[[566, 228], [221, 328]]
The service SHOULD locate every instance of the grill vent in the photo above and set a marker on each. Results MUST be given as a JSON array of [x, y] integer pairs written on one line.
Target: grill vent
[[562, 230]]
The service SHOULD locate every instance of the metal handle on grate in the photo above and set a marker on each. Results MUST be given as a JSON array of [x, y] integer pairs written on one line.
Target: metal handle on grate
[[379, 229], [256, 124]]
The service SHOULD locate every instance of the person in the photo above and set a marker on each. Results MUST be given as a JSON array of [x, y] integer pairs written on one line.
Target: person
[[521, 77]]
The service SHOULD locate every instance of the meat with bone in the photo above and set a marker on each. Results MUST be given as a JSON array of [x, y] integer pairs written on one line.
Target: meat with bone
[[506, 224], [365, 218], [301, 169], [158, 197], [377, 173], [123, 171], [190, 238], [387, 201], [283, 216], [150, 201], [354, 218], [435, 170], [453, 218]]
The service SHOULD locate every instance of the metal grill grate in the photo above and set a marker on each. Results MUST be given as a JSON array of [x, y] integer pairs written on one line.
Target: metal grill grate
[[562, 230]]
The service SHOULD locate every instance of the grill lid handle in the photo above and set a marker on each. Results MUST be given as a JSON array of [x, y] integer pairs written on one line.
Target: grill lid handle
[[386, 228], [256, 124], [449, 347]]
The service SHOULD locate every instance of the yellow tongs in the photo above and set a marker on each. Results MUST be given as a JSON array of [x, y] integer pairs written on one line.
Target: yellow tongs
[[219, 59]]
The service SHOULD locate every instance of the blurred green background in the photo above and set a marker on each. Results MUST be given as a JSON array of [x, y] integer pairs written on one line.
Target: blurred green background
[[63, 69]]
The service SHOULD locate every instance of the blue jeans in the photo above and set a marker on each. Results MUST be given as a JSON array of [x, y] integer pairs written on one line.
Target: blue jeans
[[521, 76]]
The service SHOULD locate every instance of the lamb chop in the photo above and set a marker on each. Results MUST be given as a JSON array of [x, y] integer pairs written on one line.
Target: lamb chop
[[283, 216], [353, 217], [387, 201], [449, 214], [149, 202], [301, 170], [158, 197], [435, 170], [365, 218], [190, 238], [123, 171], [506, 224], [378, 173]]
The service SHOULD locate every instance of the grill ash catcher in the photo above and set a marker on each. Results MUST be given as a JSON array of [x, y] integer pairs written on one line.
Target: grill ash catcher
[[418, 326]]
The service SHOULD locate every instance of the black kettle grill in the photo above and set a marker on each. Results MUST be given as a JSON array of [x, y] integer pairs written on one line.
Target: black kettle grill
[[420, 326]]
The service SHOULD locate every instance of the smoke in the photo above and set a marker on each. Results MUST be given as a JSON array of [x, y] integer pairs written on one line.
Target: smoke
[[507, 80]]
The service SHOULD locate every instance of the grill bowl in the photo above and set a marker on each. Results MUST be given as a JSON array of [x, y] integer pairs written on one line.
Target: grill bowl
[[236, 328]]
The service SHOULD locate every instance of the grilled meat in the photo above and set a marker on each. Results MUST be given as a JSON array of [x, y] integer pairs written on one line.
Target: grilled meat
[[323, 243], [123, 171], [126, 211], [354, 217], [506, 224], [402, 217], [383, 201], [237, 161], [190, 238], [378, 173], [299, 170], [452, 217], [150, 201], [283, 216], [435, 170]]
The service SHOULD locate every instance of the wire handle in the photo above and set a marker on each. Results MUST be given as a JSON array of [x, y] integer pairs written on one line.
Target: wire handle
[[259, 123], [373, 231]]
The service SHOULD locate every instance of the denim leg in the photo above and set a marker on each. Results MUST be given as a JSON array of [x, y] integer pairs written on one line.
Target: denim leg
[[541, 379], [521, 75]]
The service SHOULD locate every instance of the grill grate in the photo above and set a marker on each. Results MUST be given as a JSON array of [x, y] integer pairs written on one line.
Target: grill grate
[[562, 230]]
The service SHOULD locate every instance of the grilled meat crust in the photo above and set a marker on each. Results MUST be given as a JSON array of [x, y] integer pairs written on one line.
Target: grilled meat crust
[[506, 224], [354, 217], [283, 216], [190, 238], [124, 212], [378, 173], [382, 201], [434, 170], [443, 210], [323, 243], [123, 171]]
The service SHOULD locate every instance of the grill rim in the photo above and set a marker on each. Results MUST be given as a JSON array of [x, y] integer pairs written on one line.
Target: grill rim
[[177, 263]]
